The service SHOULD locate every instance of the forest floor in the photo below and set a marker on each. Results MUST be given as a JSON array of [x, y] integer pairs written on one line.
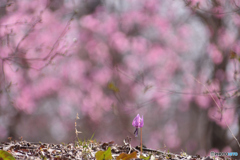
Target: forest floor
[[87, 150]]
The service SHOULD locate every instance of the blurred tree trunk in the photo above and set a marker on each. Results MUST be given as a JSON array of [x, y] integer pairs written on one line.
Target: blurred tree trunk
[[215, 133]]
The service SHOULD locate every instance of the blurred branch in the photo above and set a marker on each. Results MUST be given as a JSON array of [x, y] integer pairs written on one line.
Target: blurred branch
[[7, 4], [197, 7], [56, 43], [220, 109]]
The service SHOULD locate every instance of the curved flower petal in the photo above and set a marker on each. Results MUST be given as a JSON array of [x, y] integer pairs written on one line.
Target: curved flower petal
[[138, 122]]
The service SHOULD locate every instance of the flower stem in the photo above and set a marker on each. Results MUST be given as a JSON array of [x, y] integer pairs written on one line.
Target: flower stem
[[141, 140]]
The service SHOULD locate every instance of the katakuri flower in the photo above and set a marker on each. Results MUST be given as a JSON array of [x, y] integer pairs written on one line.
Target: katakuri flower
[[138, 123]]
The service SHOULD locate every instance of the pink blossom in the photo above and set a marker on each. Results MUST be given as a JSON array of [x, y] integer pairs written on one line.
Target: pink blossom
[[138, 123], [215, 54]]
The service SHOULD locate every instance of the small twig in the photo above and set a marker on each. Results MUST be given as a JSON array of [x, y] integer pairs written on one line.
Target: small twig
[[209, 93], [232, 134], [76, 131]]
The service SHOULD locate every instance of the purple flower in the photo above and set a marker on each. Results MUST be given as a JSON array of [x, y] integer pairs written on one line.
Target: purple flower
[[138, 123]]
